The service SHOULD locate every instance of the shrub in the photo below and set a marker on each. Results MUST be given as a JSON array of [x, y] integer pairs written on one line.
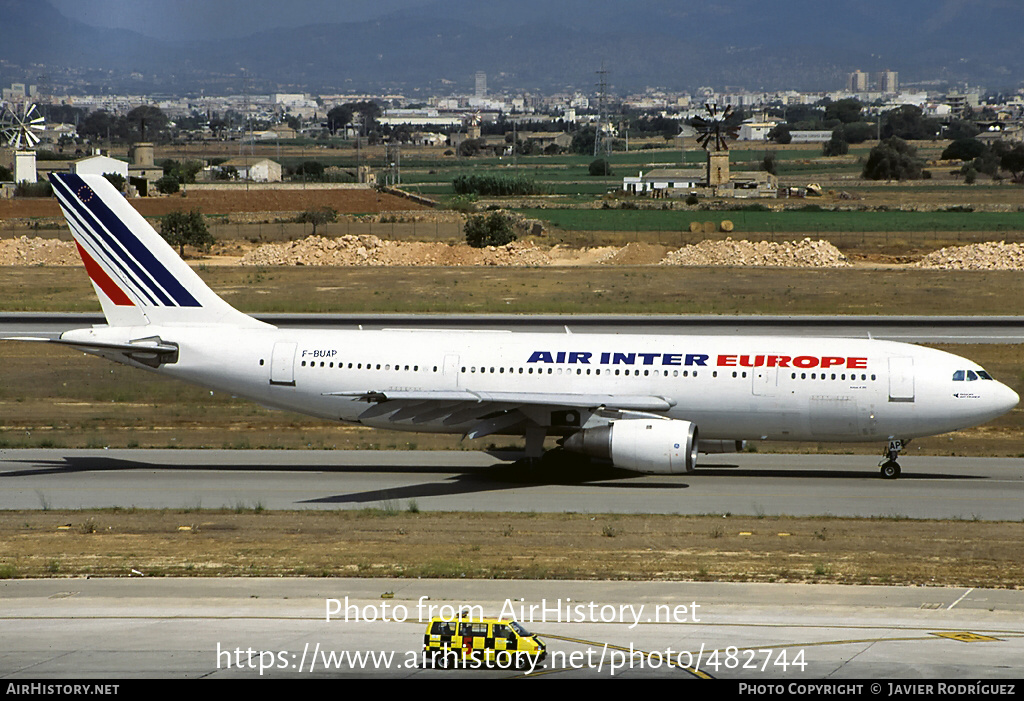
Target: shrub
[[168, 184], [316, 217], [600, 166], [893, 159], [495, 185], [181, 229], [494, 229]]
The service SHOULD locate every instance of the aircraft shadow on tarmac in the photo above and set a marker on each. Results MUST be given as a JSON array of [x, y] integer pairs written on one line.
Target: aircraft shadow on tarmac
[[496, 477], [502, 476]]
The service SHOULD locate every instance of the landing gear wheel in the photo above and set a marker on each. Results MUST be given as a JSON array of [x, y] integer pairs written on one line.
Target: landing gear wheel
[[890, 470]]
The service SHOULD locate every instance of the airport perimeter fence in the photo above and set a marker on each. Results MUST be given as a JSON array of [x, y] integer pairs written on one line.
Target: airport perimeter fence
[[288, 231], [451, 231], [843, 240]]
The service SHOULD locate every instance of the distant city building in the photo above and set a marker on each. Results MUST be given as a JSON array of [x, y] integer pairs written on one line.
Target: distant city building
[[857, 82], [481, 85], [888, 81]]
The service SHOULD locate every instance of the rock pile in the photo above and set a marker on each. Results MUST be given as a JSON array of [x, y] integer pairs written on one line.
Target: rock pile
[[370, 250], [788, 254], [976, 256], [36, 251]]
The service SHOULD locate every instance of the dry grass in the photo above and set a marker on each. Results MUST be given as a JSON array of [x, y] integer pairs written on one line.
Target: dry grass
[[396, 542], [569, 290]]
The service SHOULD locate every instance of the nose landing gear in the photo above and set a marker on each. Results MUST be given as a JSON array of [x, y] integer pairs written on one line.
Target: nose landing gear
[[889, 468]]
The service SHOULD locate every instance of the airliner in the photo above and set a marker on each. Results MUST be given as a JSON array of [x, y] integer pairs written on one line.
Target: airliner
[[647, 403]]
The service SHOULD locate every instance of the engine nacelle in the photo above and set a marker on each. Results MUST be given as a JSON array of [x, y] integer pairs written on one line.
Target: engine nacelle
[[656, 446], [721, 446]]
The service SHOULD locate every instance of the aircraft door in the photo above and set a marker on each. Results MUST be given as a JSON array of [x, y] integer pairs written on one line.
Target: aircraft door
[[282, 364], [451, 371], [765, 381], [901, 379]]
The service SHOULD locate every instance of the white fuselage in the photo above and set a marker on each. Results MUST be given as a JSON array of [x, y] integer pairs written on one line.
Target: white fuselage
[[738, 387]]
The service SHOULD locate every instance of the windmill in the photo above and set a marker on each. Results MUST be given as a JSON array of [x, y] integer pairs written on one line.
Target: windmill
[[19, 132], [713, 135]]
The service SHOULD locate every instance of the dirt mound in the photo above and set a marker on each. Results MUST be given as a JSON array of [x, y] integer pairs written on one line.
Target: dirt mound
[[789, 254], [36, 251], [976, 256], [370, 250], [637, 253]]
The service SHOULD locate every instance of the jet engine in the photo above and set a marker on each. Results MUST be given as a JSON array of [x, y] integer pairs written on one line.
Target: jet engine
[[722, 446], [656, 446]]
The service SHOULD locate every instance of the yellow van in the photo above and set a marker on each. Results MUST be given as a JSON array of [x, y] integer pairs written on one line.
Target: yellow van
[[476, 642]]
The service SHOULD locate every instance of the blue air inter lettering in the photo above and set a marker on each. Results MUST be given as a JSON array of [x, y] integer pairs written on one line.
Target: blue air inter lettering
[[610, 358]]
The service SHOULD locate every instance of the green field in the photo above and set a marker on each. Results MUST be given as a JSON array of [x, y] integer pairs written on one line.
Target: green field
[[1005, 224]]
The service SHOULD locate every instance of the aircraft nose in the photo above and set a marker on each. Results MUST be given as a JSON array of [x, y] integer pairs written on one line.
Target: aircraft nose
[[1007, 398]]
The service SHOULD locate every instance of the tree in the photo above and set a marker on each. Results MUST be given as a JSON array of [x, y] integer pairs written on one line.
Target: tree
[[316, 217], [583, 141], [116, 179], [836, 146], [310, 170], [768, 164], [846, 110], [97, 125], [168, 185], [338, 118], [601, 166], [1013, 162], [494, 229], [909, 122], [780, 134], [964, 150], [858, 132], [146, 123], [181, 229], [893, 159], [961, 129]]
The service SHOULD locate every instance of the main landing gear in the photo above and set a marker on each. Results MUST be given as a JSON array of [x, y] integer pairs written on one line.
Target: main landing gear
[[890, 469]]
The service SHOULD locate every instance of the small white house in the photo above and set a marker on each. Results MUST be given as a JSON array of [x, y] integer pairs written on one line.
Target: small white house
[[100, 165], [663, 182], [260, 170]]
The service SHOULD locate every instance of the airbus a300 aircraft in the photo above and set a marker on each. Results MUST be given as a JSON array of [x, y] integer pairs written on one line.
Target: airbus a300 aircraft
[[647, 403]]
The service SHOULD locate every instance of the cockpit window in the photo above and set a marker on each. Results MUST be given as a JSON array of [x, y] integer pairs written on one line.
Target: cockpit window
[[970, 375]]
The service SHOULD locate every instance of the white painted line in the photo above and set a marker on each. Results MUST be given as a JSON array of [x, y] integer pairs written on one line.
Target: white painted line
[[961, 598]]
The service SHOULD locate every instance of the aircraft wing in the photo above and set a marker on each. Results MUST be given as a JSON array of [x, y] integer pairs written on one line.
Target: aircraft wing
[[490, 412]]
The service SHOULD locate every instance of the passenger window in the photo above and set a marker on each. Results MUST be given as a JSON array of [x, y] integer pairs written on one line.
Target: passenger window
[[443, 628], [503, 631], [473, 630]]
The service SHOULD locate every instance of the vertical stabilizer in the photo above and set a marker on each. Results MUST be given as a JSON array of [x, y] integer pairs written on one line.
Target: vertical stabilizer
[[137, 276]]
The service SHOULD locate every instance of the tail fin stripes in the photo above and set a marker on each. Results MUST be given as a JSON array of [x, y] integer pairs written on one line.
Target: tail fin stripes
[[102, 280], [108, 232], [137, 276]]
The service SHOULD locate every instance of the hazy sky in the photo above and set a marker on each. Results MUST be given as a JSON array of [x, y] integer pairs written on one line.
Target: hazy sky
[[209, 19]]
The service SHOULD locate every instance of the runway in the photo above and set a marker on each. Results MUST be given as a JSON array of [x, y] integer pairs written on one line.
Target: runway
[[746, 483], [118, 629]]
